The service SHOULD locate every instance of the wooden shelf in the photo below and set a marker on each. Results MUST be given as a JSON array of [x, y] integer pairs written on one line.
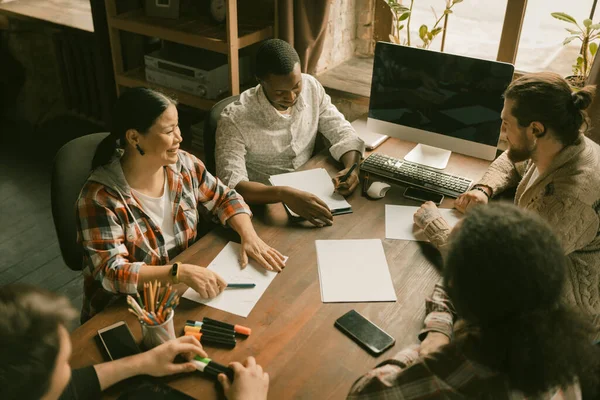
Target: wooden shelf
[[137, 77], [192, 31]]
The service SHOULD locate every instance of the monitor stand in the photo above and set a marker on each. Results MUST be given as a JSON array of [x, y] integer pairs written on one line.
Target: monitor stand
[[429, 156]]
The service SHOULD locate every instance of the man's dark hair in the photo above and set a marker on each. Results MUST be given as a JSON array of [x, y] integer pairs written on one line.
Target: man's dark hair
[[547, 98], [504, 272], [275, 56], [29, 339]]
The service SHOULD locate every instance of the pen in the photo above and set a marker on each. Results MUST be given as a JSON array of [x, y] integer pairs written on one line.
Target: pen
[[238, 328], [212, 340], [203, 363], [241, 285], [208, 330], [214, 328], [347, 174]]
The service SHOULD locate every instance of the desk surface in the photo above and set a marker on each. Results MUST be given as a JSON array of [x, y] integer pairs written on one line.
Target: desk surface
[[72, 13], [293, 336]]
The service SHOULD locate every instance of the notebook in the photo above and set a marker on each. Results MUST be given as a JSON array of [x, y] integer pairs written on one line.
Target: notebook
[[318, 182]]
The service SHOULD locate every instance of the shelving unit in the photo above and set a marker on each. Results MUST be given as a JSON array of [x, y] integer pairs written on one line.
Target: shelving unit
[[197, 31]]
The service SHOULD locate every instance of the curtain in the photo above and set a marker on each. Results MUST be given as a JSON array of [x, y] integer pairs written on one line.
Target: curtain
[[594, 109], [303, 24]]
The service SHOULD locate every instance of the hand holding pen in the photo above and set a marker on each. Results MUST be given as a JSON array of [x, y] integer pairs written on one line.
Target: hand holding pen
[[346, 181]]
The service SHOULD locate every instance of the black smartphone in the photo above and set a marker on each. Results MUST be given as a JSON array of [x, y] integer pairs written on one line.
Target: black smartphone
[[117, 341], [423, 195], [364, 332]]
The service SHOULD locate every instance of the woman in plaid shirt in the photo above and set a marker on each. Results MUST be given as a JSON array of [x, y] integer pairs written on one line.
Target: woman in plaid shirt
[[141, 205]]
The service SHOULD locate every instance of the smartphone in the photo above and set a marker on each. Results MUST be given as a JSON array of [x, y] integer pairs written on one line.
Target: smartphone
[[118, 341], [364, 332], [423, 195]]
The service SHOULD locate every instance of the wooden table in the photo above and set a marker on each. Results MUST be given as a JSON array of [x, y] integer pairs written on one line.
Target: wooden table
[[293, 336], [72, 13]]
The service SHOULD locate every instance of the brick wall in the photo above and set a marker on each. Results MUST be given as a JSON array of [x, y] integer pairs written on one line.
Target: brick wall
[[339, 42]]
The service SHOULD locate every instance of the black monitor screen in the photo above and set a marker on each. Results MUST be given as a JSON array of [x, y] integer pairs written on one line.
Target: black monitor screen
[[439, 92]]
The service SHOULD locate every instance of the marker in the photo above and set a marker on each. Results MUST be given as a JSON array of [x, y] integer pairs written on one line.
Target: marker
[[202, 363], [241, 285], [199, 324], [212, 340], [199, 329], [347, 174], [238, 328]]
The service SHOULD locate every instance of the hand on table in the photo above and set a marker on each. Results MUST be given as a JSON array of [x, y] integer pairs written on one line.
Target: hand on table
[[265, 255], [433, 342], [471, 198], [347, 187], [159, 360], [204, 281], [308, 206], [250, 381], [425, 214]]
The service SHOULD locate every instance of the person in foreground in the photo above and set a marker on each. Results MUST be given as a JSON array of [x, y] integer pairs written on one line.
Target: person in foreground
[[272, 130], [554, 168], [35, 349], [504, 273], [142, 205]]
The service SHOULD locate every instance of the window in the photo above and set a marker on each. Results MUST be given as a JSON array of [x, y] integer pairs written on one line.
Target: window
[[540, 47]]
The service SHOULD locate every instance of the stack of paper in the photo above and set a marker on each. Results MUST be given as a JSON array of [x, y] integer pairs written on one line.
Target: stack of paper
[[236, 301], [399, 222], [353, 271], [315, 181]]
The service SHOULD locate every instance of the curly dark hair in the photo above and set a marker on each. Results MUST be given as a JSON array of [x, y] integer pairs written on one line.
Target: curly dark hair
[[29, 339], [504, 272], [275, 56]]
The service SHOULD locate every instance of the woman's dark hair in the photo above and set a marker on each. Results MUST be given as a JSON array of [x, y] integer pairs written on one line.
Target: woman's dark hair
[[137, 108], [29, 339], [547, 98], [275, 56], [505, 272]]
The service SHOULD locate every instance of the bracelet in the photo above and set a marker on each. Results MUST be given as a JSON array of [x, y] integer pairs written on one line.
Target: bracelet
[[482, 191], [175, 272]]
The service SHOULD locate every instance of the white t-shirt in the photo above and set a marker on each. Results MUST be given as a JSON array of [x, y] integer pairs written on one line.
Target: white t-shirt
[[160, 209]]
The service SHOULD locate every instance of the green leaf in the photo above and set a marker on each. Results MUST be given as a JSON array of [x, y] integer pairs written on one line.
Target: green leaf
[[430, 35], [595, 26], [423, 31], [573, 31], [569, 40], [564, 17], [587, 22], [457, 1], [404, 16], [400, 28], [593, 48], [436, 31]]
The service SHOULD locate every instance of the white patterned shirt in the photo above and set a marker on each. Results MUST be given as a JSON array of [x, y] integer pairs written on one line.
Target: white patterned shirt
[[255, 141]]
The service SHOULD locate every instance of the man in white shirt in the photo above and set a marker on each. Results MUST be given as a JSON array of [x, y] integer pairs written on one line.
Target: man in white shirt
[[272, 129]]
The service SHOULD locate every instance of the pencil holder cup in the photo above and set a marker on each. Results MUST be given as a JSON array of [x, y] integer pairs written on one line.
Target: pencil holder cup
[[155, 335]]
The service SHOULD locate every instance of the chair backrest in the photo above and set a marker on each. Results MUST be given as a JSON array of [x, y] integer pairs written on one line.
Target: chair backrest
[[72, 166], [210, 129]]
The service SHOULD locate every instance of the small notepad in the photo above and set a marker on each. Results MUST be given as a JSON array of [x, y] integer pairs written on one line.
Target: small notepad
[[399, 222], [318, 182]]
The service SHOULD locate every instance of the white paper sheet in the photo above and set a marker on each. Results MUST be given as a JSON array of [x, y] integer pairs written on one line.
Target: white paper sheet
[[354, 271], [316, 181], [236, 301], [399, 223]]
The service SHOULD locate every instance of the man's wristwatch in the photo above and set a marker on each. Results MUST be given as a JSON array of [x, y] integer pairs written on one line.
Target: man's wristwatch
[[175, 273]]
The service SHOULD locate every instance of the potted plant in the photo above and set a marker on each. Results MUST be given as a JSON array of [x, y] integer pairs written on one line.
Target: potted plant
[[402, 16], [586, 33]]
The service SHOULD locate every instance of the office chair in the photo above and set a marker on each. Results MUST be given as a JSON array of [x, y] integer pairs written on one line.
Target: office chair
[[72, 166], [210, 130]]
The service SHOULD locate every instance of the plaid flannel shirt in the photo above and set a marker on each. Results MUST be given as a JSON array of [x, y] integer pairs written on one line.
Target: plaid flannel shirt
[[118, 237], [447, 374]]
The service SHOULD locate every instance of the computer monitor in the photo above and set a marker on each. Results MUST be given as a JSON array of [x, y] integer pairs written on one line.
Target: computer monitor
[[442, 101]]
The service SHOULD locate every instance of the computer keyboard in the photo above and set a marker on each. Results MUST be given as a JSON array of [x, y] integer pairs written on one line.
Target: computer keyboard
[[416, 175]]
